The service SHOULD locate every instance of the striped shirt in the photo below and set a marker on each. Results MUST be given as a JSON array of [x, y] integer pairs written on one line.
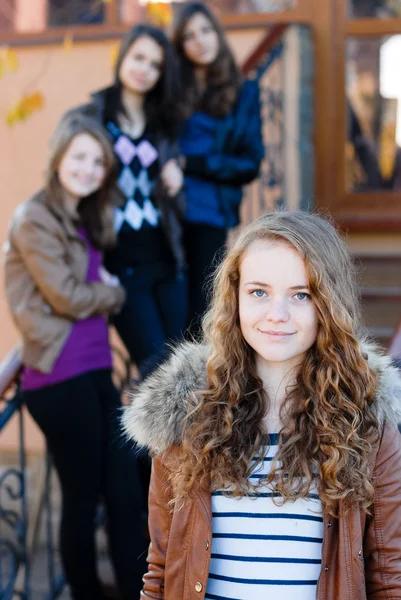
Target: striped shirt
[[263, 550]]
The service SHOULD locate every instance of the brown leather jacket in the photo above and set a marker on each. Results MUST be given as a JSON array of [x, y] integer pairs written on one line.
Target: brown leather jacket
[[361, 556], [46, 262]]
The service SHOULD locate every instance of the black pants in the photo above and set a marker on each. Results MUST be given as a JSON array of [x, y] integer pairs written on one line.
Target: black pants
[[154, 313], [204, 247], [80, 420]]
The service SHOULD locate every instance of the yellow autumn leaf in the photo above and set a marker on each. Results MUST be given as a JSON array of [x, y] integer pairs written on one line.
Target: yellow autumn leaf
[[12, 60], [114, 54], [25, 106], [107, 1], [37, 101], [11, 117], [68, 42], [23, 113], [31, 103], [16, 113], [160, 13], [23, 109]]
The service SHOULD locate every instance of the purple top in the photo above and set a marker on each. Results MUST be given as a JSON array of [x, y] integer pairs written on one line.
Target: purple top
[[87, 347]]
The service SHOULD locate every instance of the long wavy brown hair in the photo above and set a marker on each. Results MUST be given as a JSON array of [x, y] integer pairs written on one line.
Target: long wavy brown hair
[[223, 77], [95, 211], [329, 428]]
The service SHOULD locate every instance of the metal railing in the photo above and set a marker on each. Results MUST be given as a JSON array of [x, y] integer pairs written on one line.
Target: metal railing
[[14, 559], [265, 65], [16, 555]]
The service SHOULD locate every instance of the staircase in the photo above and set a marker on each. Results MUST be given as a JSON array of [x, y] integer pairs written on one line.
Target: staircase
[[380, 287]]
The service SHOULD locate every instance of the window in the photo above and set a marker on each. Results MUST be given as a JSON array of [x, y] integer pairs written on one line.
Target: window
[[62, 13], [132, 11], [7, 12], [374, 8], [35, 16], [373, 103]]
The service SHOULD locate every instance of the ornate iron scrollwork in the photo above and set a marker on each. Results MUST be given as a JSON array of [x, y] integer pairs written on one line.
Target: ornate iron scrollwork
[[14, 563]]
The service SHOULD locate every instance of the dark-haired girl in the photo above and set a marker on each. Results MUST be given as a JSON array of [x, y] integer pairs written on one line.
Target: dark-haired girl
[[139, 112], [221, 143], [60, 295], [276, 453]]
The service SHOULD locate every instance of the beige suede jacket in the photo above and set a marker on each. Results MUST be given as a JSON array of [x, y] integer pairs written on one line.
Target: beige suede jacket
[[46, 262]]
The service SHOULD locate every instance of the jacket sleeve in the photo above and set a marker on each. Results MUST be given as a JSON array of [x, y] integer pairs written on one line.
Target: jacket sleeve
[[242, 166], [159, 528], [168, 150], [43, 254], [179, 201], [382, 543]]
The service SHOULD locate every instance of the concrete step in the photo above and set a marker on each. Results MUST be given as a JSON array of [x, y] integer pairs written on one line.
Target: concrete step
[[379, 271], [381, 311], [381, 292], [380, 335], [380, 289]]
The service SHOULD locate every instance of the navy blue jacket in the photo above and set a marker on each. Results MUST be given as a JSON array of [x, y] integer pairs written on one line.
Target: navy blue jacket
[[237, 152]]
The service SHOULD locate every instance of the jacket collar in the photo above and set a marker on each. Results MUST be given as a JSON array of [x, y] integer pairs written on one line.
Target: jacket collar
[[58, 211], [99, 99], [154, 418]]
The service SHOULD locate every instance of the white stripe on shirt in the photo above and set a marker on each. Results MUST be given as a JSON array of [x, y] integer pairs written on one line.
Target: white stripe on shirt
[[263, 550]]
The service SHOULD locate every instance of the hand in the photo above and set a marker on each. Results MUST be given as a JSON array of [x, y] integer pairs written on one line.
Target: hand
[[182, 162], [107, 278], [172, 177]]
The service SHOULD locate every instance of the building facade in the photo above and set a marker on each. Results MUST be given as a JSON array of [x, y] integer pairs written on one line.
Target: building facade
[[328, 72]]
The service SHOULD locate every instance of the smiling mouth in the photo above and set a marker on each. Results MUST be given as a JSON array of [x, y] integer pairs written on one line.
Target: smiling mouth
[[139, 79], [85, 183], [277, 333]]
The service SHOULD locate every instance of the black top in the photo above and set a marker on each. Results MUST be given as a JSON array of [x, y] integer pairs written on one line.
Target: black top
[[140, 238]]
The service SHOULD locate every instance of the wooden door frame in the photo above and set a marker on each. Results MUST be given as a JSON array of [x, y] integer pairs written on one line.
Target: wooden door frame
[[330, 28], [322, 22], [368, 211], [113, 28]]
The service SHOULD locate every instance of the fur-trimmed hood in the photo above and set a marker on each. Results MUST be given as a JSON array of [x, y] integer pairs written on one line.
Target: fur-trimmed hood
[[154, 418]]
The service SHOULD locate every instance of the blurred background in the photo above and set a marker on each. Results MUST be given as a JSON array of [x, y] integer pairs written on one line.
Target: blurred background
[[331, 104]]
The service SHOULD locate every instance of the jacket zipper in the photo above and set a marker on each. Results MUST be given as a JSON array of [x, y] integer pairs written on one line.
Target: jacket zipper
[[208, 549]]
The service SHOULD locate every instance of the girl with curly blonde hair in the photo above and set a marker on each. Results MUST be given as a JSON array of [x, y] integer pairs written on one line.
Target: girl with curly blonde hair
[[276, 453]]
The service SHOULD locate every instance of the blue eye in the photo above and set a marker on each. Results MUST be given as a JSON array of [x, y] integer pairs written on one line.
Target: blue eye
[[302, 296], [258, 293]]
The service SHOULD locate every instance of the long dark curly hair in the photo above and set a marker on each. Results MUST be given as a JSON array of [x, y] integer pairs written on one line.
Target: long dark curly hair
[[223, 77], [329, 428]]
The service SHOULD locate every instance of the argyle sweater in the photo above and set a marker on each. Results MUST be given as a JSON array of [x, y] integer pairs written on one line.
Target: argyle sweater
[[140, 238]]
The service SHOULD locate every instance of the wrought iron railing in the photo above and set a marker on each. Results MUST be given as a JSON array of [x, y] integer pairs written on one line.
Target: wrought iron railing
[[265, 64], [282, 63], [14, 559], [15, 556]]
